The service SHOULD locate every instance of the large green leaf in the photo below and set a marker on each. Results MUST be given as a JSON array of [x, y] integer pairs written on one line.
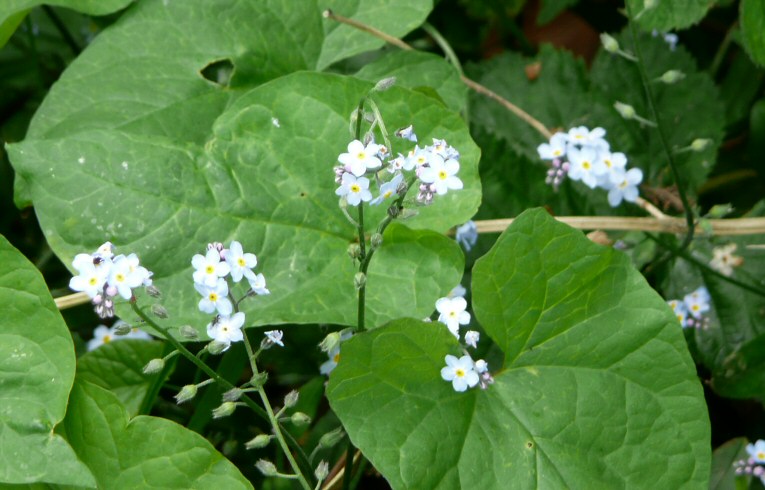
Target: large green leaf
[[270, 187], [118, 367], [393, 17], [36, 372], [753, 29], [597, 383], [143, 452], [669, 15], [12, 12]]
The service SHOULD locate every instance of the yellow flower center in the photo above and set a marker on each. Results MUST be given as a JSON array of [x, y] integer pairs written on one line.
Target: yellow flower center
[[607, 162], [120, 278], [355, 188], [361, 155], [586, 165], [387, 194], [442, 175], [241, 262], [209, 269], [760, 455], [93, 281], [107, 339], [213, 297], [459, 372], [336, 358]]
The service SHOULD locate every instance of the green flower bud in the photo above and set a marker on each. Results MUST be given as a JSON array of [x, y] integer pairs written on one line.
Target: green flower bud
[[625, 110], [331, 438], [232, 395], [700, 144], [216, 347], [300, 419], [224, 410], [609, 43], [266, 467], [188, 332], [322, 471], [153, 291], [187, 393], [376, 240], [159, 311], [258, 441], [291, 399], [154, 366], [331, 341], [672, 76], [359, 280], [354, 251], [259, 379], [385, 84], [122, 328]]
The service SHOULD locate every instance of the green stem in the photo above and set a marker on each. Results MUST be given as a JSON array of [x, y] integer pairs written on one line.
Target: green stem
[[348, 476], [720, 54], [450, 55], [212, 374], [689, 218], [363, 269], [273, 419], [61, 27]]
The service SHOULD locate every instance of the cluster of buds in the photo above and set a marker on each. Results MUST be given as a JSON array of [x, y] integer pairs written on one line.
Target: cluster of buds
[[104, 276], [690, 311], [435, 166], [584, 155]]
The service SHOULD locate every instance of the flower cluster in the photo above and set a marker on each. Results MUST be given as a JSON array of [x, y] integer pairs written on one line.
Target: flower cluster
[[119, 331], [435, 166], [464, 372], [754, 464], [104, 276], [211, 272], [584, 155], [723, 260], [694, 304]]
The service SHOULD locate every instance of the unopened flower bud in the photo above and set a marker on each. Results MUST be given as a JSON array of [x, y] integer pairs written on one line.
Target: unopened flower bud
[[321, 471], [291, 399], [700, 144], [215, 348], [407, 213], [188, 332], [672, 76], [154, 366], [376, 240], [153, 291], [609, 43], [266, 467], [331, 341], [258, 441], [300, 419], [159, 311], [258, 380], [625, 110], [232, 395], [122, 328], [385, 84], [354, 251], [224, 410], [359, 280], [331, 438], [187, 393]]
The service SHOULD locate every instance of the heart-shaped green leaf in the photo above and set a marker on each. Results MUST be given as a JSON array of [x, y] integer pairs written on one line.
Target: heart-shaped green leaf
[[143, 452], [268, 185], [36, 372], [118, 367], [597, 383]]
